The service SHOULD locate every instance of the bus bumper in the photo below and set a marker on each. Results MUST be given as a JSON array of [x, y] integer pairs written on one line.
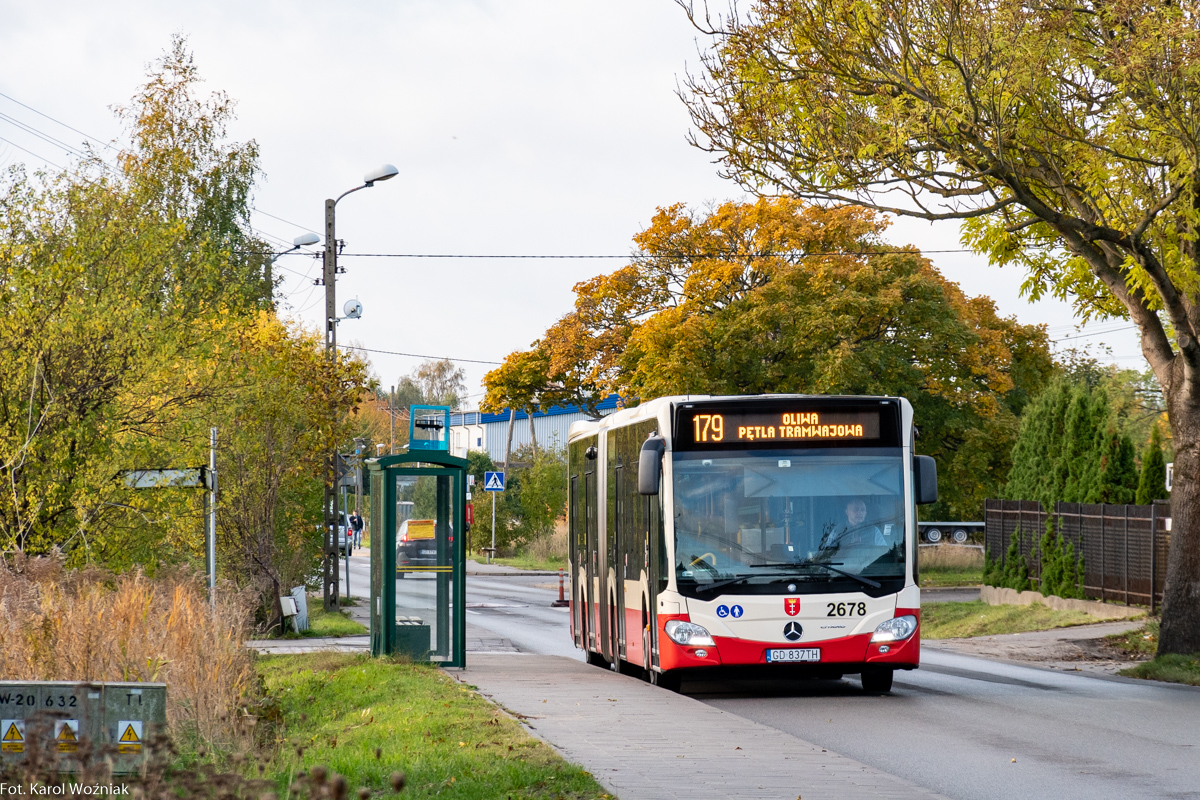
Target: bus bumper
[[843, 655]]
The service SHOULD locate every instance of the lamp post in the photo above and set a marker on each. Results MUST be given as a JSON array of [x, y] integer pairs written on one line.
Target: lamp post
[[382, 173], [300, 241]]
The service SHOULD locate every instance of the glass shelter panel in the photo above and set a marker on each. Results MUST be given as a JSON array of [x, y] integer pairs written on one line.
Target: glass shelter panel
[[424, 563], [376, 523]]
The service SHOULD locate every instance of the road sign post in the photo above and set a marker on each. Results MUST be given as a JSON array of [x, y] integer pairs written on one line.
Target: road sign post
[[493, 482]]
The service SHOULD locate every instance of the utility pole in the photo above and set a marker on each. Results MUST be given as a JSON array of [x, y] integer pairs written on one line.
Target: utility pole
[[331, 573], [331, 498], [392, 422], [211, 549]]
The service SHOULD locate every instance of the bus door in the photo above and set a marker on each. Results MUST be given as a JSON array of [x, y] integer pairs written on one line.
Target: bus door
[[577, 541], [613, 593], [591, 569], [582, 522]]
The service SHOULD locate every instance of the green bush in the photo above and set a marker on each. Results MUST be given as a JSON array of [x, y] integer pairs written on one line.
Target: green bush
[[1013, 572], [1062, 575]]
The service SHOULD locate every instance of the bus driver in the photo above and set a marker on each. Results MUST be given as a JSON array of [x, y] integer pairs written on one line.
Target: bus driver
[[855, 532]]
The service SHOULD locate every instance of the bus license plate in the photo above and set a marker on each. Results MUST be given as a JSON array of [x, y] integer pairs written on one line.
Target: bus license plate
[[793, 654]]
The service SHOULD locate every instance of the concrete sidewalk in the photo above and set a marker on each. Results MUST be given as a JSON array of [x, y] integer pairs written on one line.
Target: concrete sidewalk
[[640, 741], [337, 644]]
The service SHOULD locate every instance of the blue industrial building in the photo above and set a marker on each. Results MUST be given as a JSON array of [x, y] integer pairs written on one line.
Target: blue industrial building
[[475, 430]]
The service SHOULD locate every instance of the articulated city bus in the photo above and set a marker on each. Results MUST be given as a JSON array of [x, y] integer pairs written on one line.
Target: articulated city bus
[[772, 535]]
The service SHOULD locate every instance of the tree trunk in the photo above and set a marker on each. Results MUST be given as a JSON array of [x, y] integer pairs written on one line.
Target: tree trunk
[[512, 418], [1181, 595], [532, 435]]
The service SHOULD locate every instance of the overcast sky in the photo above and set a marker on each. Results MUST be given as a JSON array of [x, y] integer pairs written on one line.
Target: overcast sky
[[518, 127]]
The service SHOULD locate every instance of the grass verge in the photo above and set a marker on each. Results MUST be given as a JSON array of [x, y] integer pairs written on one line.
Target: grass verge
[[950, 565], [953, 620], [322, 623], [365, 718], [522, 561], [964, 577], [332, 623], [1140, 643], [1143, 643], [1169, 668]]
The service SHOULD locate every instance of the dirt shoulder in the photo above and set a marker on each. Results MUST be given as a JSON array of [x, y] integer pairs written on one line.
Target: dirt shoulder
[[1079, 648]]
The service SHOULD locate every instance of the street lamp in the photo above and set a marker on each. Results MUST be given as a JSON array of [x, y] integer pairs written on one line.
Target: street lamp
[[304, 240], [382, 173]]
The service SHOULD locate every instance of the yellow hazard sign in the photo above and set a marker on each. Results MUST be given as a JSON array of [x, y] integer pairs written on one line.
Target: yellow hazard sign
[[13, 738], [129, 738], [66, 735]]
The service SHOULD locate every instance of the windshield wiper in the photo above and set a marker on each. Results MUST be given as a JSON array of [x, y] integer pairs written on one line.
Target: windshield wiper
[[830, 567]]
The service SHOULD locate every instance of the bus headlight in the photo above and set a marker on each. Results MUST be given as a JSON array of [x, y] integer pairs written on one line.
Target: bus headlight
[[895, 629], [688, 633]]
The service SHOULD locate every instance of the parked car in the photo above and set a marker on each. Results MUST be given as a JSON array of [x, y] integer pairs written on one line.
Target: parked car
[[345, 548], [416, 545], [345, 545]]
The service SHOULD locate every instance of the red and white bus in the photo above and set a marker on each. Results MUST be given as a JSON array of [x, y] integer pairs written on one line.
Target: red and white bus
[[771, 535]]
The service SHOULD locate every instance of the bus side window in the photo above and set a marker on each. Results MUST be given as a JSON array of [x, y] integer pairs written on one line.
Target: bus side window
[[576, 531]]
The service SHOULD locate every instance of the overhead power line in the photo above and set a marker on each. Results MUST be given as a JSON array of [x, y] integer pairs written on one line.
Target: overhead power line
[[417, 355], [286, 221], [89, 137], [1096, 333], [627, 255]]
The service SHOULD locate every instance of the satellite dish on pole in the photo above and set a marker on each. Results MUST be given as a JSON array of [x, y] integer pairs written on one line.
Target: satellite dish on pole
[[353, 309]]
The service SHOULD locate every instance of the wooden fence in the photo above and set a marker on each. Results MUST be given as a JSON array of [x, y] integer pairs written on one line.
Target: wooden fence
[[1124, 548]]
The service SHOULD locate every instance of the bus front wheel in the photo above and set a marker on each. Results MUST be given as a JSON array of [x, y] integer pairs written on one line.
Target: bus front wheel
[[877, 681]]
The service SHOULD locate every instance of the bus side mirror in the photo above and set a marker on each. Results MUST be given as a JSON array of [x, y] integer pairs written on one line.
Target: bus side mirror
[[650, 465], [925, 476]]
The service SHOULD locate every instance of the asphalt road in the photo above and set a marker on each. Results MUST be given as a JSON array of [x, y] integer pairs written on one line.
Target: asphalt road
[[504, 613], [956, 724], [953, 726]]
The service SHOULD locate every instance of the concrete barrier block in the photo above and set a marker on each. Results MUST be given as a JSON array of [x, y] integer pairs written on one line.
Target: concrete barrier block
[[999, 596]]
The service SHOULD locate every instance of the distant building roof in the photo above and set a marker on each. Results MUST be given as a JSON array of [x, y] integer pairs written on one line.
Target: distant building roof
[[479, 418]]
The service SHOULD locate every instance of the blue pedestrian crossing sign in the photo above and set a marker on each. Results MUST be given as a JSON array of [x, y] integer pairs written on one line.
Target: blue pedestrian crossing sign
[[493, 481]]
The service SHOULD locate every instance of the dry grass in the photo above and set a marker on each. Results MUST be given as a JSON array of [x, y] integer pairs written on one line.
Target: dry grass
[[90, 625], [949, 558], [549, 548]]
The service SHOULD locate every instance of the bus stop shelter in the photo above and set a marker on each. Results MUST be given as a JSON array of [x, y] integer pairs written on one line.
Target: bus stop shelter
[[418, 556]]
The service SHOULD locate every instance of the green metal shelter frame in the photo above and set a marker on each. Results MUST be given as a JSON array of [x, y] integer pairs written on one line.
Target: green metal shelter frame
[[407, 622]]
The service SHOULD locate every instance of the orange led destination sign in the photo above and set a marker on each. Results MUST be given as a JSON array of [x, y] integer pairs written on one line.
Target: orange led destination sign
[[787, 426]]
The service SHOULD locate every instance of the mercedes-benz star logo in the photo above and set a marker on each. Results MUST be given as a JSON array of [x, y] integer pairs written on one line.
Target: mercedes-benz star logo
[[792, 631]]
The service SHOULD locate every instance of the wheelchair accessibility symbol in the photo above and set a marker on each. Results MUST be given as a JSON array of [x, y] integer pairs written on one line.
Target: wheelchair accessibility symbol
[[723, 611]]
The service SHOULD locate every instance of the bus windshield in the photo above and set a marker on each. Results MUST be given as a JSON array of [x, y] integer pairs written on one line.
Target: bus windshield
[[789, 521]]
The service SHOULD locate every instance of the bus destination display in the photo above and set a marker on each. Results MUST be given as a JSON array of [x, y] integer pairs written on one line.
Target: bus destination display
[[787, 426]]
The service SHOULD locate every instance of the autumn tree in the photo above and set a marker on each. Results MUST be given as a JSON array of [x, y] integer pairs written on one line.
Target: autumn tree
[[436, 382], [1063, 135], [783, 296], [117, 283], [134, 317], [271, 460]]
